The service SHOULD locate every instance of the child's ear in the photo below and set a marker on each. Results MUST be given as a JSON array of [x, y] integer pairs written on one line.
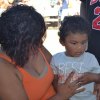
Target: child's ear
[[86, 47], [62, 42]]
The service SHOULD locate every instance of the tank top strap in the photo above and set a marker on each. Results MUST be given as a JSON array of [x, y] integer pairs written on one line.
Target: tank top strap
[[6, 58], [11, 61], [44, 57]]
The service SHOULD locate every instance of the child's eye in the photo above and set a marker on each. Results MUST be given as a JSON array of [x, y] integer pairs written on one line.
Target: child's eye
[[73, 43]]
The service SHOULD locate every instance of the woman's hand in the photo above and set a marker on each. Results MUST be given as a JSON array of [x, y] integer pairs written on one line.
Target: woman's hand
[[88, 78], [68, 89]]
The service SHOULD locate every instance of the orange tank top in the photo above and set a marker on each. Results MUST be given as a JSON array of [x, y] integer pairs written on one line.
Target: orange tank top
[[37, 88]]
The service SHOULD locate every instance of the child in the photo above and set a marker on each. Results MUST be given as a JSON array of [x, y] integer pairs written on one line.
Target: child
[[74, 32]]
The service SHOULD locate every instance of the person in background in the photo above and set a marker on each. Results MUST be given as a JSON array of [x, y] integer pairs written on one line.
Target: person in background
[[74, 7], [74, 33], [90, 10], [3, 6], [25, 73], [63, 11]]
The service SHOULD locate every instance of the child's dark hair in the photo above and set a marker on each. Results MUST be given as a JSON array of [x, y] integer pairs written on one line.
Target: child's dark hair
[[73, 24], [21, 29]]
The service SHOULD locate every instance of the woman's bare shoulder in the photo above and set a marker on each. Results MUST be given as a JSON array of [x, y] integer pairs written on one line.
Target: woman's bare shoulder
[[5, 65], [10, 85]]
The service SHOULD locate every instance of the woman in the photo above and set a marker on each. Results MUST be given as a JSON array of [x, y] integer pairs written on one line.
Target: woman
[[25, 73]]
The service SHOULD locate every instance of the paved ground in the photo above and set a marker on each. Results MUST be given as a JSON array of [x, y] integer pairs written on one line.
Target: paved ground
[[52, 41]]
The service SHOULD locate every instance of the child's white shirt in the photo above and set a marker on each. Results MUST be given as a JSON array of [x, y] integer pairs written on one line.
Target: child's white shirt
[[63, 65]]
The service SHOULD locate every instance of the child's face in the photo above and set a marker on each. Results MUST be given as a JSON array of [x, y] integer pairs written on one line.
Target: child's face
[[75, 44]]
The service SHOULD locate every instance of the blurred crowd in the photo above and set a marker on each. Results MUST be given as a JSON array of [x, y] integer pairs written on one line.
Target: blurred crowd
[[4, 4], [46, 7]]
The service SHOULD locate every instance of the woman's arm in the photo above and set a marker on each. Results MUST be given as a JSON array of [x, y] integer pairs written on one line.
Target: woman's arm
[[89, 77], [55, 82]]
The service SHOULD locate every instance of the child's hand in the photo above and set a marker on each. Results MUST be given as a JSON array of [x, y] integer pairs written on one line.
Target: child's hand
[[97, 91], [88, 78]]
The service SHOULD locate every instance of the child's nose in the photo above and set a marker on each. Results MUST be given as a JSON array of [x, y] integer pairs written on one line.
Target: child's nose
[[79, 46]]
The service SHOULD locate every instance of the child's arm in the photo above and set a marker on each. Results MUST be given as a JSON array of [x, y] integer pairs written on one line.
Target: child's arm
[[97, 91]]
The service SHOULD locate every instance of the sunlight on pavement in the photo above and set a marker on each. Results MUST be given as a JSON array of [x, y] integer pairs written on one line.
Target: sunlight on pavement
[[52, 42]]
